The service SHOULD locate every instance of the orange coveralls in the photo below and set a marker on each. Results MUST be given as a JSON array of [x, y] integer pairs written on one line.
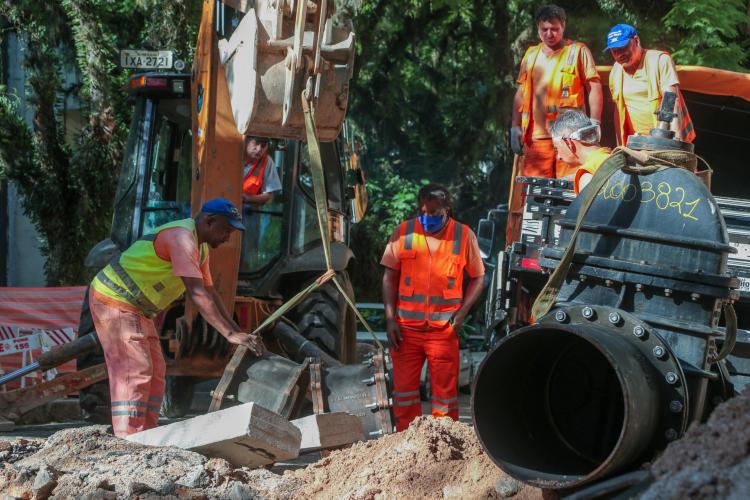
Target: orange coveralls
[[431, 270]]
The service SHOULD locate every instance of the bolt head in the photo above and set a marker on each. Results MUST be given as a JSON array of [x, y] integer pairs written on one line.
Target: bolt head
[[675, 406], [670, 434], [659, 352], [695, 296], [614, 318], [587, 312], [638, 287], [561, 316], [639, 331], [667, 292], [671, 378]]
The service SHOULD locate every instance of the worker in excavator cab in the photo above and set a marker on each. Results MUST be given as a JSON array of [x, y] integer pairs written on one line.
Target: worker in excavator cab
[[555, 74], [425, 304], [145, 279], [260, 178], [638, 80], [576, 140]]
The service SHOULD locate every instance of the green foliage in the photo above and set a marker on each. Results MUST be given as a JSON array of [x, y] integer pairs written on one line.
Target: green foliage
[[67, 187], [712, 33], [392, 200]]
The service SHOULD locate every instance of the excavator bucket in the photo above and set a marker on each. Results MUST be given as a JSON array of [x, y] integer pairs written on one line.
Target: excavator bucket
[[278, 49]]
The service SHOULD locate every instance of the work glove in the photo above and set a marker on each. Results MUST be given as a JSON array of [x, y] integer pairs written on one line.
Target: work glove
[[598, 124], [516, 140]]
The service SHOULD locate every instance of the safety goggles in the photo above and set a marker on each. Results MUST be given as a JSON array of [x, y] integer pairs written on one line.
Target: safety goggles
[[578, 134]]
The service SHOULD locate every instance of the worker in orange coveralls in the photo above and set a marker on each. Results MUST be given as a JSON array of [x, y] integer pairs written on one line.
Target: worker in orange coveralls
[[425, 304], [142, 281]]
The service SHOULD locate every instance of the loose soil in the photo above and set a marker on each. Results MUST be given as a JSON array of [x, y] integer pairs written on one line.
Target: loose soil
[[711, 461], [434, 458]]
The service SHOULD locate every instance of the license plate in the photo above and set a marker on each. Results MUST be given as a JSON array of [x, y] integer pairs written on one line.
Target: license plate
[[744, 284], [146, 59]]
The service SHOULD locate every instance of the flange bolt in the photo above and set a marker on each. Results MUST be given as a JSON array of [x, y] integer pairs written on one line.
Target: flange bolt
[[670, 434], [561, 316], [675, 406], [672, 378], [659, 352], [639, 331], [614, 318], [588, 312]]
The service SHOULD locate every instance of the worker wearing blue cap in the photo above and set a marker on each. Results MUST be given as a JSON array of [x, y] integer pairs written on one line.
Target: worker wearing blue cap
[[638, 80], [144, 280]]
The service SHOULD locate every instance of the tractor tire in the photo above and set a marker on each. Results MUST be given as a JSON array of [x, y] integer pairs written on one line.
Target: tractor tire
[[325, 318], [93, 400], [178, 396]]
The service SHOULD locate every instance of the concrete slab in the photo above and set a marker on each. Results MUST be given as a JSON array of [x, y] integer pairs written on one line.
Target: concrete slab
[[246, 435], [329, 430]]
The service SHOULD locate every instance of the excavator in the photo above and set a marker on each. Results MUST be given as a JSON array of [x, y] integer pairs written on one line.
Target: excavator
[[278, 69]]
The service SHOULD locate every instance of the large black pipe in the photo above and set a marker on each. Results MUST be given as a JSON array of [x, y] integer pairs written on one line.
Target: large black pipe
[[558, 406]]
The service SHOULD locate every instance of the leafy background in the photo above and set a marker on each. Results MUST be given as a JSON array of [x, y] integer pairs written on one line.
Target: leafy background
[[433, 85]]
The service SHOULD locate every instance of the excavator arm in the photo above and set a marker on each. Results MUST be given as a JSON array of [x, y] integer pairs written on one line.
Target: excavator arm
[[252, 61]]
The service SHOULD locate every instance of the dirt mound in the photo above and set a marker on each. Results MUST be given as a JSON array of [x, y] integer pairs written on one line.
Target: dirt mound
[[434, 458], [89, 463], [712, 460]]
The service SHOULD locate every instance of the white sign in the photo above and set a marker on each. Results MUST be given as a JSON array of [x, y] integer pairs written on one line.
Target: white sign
[[744, 284], [146, 59], [20, 344], [743, 250]]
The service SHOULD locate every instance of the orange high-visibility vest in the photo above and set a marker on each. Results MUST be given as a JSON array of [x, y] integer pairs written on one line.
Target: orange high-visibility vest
[[253, 181], [430, 287], [565, 88], [651, 65]]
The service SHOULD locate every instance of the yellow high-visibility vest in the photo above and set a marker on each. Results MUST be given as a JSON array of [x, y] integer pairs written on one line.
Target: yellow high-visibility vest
[[143, 279]]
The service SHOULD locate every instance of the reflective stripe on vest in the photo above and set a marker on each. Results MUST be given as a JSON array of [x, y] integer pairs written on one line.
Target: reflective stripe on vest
[[143, 279], [651, 67], [564, 90], [253, 181], [430, 284]]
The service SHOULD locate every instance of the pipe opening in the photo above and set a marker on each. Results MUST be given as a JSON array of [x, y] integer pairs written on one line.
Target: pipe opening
[[549, 404]]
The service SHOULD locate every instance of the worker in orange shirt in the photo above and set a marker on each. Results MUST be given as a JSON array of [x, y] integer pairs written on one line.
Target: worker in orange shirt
[[638, 80], [555, 74], [145, 279], [576, 140], [425, 304]]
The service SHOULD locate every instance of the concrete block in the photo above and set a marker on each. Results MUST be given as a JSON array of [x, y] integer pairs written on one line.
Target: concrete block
[[329, 430], [246, 435]]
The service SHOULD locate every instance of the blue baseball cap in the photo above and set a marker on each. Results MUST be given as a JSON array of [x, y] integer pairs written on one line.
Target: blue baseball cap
[[225, 208], [619, 36]]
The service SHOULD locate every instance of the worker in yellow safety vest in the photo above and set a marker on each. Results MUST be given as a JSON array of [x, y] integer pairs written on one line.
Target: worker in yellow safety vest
[[556, 74], [144, 280], [638, 80]]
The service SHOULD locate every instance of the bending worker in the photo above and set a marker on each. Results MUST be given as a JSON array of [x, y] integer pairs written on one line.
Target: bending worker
[[576, 140], [555, 74], [425, 305], [144, 280], [638, 80]]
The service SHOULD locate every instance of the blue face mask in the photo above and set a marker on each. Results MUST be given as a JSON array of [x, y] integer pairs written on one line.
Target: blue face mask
[[431, 223]]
